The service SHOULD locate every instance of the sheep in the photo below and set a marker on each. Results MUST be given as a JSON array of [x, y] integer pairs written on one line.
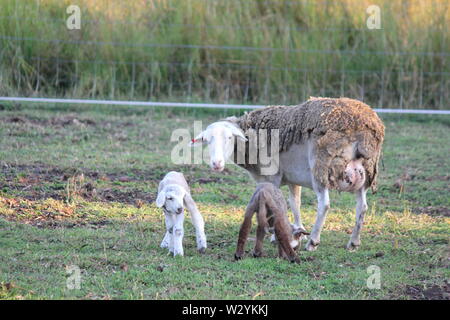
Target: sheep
[[173, 195], [271, 208], [324, 143]]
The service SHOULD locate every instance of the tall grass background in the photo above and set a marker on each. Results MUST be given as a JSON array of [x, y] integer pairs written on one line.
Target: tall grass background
[[244, 51]]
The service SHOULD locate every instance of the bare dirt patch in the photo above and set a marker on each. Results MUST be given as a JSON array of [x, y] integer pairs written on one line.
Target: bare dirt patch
[[434, 292], [61, 121], [40, 181], [433, 211]]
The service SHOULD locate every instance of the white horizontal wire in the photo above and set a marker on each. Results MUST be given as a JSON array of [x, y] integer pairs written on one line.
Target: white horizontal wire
[[191, 105]]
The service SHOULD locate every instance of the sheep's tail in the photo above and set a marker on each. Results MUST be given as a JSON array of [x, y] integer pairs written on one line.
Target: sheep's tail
[[368, 148]]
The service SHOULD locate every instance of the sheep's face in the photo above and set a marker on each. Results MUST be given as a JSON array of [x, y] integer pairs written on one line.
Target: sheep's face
[[220, 138], [171, 199]]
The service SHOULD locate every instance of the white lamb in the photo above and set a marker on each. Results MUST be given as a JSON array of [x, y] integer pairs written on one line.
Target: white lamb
[[173, 195]]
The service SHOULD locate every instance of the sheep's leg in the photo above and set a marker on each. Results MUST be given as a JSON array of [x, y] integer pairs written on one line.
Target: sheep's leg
[[323, 205], [295, 201], [178, 233], [167, 241], [198, 222], [361, 208]]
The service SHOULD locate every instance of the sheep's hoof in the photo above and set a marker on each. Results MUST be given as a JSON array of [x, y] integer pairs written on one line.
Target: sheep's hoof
[[311, 245], [352, 246], [237, 256], [202, 250]]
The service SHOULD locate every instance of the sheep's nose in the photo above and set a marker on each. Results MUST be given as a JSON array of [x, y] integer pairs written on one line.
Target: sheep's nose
[[217, 164], [180, 210]]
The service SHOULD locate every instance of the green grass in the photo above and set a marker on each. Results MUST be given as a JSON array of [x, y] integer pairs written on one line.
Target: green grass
[[77, 186], [334, 53]]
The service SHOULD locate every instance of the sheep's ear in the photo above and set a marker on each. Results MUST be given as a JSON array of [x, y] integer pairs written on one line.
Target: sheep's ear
[[197, 140], [238, 133], [160, 199]]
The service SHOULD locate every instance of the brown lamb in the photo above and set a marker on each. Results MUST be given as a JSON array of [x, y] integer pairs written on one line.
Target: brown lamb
[[271, 208]]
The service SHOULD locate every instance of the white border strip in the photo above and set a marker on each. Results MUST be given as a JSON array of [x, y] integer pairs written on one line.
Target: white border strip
[[192, 105]]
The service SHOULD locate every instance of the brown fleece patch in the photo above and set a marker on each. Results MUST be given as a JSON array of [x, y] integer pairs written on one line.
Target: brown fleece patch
[[334, 123]]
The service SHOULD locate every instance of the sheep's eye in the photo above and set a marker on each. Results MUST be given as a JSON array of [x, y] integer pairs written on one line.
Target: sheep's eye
[[169, 198]]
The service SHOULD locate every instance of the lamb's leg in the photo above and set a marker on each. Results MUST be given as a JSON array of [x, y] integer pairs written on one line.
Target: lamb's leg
[[263, 224], [245, 228], [260, 234], [178, 233], [198, 222], [361, 208], [167, 242], [323, 205]]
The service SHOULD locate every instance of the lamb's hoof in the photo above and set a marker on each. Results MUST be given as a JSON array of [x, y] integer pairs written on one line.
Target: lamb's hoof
[[237, 257], [352, 246], [295, 260], [311, 245], [257, 254], [202, 250]]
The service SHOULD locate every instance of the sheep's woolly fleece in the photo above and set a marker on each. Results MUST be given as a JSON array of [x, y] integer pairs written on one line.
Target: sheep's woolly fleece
[[333, 123]]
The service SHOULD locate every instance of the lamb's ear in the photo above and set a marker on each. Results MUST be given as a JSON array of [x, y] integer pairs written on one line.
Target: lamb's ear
[[298, 232], [238, 133], [160, 199], [197, 140]]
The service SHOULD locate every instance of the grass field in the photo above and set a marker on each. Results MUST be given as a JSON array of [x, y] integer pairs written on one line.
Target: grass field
[[202, 50], [77, 186]]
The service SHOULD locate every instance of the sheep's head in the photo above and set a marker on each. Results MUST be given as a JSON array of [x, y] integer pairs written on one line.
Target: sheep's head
[[220, 138], [171, 199]]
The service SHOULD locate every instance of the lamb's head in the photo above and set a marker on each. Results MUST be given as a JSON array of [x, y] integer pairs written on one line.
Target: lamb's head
[[220, 138], [297, 234], [295, 237], [171, 199]]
